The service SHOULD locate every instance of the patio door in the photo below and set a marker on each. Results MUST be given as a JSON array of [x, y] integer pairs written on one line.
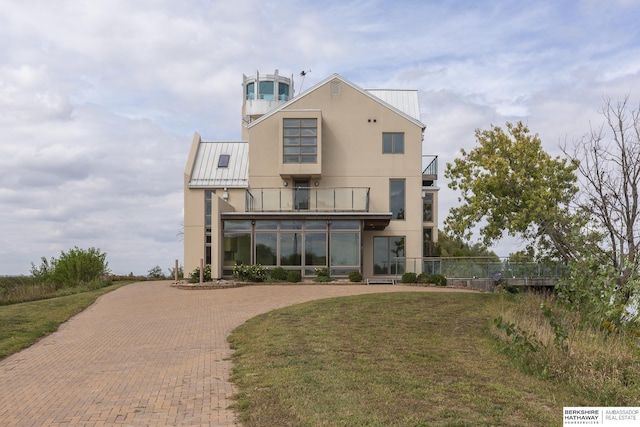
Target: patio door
[[301, 194]]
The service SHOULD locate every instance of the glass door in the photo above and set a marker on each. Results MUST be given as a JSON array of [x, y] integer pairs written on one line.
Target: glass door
[[301, 194]]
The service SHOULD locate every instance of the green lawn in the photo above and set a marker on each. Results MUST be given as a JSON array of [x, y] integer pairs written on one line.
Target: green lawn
[[399, 359], [23, 324]]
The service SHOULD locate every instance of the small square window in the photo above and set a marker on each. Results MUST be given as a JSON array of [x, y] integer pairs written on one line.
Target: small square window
[[223, 160], [392, 143]]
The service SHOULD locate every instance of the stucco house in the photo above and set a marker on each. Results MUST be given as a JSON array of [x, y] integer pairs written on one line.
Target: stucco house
[[333, 177]]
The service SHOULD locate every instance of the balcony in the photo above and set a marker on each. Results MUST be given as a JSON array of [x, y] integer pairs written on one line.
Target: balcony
[[429, 170], [315, 199]]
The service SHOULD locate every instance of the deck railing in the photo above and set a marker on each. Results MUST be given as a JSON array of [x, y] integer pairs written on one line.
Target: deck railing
[[430, 165], [482, 267], [317, 199]]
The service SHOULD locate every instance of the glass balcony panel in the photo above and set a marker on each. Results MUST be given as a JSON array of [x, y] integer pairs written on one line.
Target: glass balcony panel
[[322, 199], [344, 198], [329, 199]]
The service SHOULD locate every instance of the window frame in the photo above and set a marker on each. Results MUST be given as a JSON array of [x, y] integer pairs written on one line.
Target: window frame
[[427, 207], [299, 141], [223, 160], [400, 215], [392, 268], [397, 145]]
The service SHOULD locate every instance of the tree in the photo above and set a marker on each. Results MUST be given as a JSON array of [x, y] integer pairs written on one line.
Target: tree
[[609, 159], [448, 246], [73, 268], [508, 183], [155, 273]]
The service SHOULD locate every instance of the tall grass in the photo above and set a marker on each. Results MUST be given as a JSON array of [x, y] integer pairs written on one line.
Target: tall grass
[[17, 289], [600, 363]]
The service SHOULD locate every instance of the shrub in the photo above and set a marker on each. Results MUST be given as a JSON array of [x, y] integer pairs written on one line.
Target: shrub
[[322, 275], [294, 276], [279, 273], [438, 280], [249, 273], [74, 268], [322, 272], [424, 278], [355, 276], [206, 274], [409, 278]]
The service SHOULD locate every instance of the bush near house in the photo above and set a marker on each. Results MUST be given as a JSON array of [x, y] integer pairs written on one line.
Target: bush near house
[[438, 280], [355, 276], [322, 275], [206, 274], [294, 276], [278, 273], [409, 278], [249, 273], [432, 279]]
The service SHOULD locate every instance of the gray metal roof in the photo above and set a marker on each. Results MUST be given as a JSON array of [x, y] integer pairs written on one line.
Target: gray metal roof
[[401, 99], [206, 172]]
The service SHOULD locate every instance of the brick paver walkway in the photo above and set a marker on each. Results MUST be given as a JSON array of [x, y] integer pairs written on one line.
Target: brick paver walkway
[[146, 354]]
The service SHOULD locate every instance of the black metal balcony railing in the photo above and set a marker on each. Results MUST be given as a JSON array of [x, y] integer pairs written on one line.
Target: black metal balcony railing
[[325, 199], [430, 165]]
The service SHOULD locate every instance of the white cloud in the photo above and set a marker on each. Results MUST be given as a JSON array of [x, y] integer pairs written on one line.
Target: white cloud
[[99, 100]]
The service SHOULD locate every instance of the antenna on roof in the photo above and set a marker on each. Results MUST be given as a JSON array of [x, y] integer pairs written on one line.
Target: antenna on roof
[[303, 74]]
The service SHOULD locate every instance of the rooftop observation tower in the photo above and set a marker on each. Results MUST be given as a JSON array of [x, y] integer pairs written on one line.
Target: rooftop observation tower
[[263, 93]]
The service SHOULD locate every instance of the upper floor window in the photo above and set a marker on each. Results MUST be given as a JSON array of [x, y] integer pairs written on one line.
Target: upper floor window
[[208, 196], [397, 198], [427, 207], [266, 90], [283, 91], [251, 90], [393, 143], [300, 140]]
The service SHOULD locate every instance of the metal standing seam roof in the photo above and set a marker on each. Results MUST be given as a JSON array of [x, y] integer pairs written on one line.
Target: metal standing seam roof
[[405, 100], [206, 172]]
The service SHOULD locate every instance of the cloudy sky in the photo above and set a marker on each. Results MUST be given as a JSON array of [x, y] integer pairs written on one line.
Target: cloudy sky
[[99, 99]]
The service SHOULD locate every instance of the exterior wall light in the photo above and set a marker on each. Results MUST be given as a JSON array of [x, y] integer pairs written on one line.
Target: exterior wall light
[[225, 194]]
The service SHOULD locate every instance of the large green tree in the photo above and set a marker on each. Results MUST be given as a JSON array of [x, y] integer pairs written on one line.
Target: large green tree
[[448, 246], [509, 184]]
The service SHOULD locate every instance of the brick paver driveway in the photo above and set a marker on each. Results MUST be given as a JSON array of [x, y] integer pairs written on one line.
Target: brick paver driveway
[[146, 354]]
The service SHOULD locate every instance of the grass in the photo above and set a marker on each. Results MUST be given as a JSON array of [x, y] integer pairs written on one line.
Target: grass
[[595, 361], [399, 359], [23, 324]]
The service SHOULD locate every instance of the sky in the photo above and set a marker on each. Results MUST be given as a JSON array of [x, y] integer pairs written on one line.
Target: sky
[[99, 99]]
